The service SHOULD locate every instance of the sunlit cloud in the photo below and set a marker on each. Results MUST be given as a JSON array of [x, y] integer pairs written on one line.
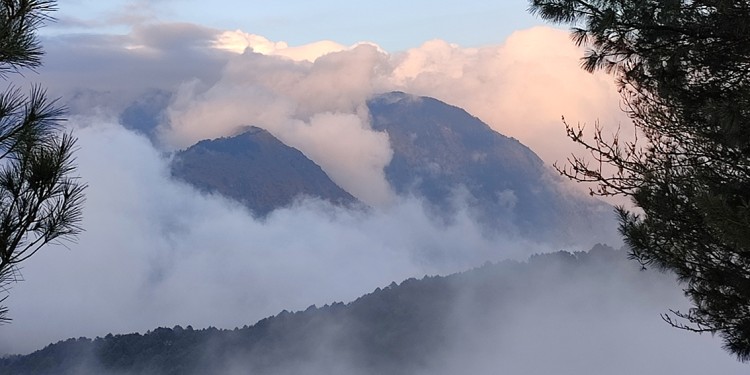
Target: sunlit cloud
[[238, 42], [158, 252]]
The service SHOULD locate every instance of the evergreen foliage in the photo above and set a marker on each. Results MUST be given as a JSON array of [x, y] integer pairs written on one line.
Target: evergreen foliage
[[400, 329], [40, 201], [683, 71]]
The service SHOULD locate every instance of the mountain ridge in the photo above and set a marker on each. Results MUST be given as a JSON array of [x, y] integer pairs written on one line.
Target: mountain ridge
[[395, 329], [256, 169], [441, 152]]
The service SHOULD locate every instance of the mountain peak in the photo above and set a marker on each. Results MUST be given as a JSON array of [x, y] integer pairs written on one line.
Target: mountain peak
[[257, 169], [251, 130], [425, 109], [440, 150], [395, 97]]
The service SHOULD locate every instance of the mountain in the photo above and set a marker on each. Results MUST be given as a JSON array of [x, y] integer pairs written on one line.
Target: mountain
[[422, 326], [444, 154], [441, 154], [146, 112], [257, 170]]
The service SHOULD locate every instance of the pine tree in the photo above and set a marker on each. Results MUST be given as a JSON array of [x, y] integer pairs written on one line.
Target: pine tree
[[40, 199], [683, 71]]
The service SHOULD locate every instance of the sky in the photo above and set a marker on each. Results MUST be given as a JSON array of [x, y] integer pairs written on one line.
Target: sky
[[156, 252], [394, 25]]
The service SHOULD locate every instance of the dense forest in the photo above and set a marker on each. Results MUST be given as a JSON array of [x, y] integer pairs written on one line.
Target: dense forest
[[400, 329]]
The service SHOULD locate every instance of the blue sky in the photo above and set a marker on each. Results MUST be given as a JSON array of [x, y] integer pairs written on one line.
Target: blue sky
[[394, 25]]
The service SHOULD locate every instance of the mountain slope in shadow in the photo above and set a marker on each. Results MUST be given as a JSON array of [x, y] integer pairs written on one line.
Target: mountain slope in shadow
[[257, 170]]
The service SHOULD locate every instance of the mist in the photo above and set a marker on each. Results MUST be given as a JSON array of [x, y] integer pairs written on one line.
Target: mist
[[561, 314], [605, 318], [157, 252]]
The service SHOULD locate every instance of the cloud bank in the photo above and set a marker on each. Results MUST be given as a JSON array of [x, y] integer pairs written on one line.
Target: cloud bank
[[157, 252], [223, 80]]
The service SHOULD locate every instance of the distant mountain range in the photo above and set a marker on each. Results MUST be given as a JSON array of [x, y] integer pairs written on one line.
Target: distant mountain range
[[441, 154], [400, 329]]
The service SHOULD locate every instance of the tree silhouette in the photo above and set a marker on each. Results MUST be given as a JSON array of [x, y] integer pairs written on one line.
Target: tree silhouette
[[40, 199], [683, 71]]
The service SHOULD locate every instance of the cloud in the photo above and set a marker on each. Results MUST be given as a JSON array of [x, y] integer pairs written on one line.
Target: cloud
[[238, 41], [521, 88], [158, 253], [603, 318], [114, 13], [316, 107], [103, 73]]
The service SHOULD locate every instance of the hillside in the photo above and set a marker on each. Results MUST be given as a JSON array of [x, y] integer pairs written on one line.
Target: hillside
[[449, 157], [418, 326], [441, 154], [257, 170]]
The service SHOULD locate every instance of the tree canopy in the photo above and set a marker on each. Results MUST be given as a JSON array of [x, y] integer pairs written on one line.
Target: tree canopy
[[40, 198], [683, 72]]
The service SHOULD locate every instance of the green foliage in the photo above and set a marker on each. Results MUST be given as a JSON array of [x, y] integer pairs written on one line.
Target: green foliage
[[19, 46], [40, 200], [683, 71]]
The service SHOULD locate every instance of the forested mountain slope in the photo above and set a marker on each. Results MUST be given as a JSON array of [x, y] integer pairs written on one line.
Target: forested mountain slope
[[489, 315]]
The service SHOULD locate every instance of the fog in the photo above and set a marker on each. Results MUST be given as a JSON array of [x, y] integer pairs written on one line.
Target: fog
[[157, 252], [604, 320]]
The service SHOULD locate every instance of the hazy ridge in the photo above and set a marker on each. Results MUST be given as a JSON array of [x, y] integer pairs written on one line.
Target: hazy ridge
[[406, 328]]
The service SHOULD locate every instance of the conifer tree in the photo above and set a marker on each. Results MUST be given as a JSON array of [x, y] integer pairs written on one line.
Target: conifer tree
[[683, 71], [40, 199]]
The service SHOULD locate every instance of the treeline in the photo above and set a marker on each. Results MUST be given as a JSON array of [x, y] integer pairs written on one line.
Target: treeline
[[399, 329]]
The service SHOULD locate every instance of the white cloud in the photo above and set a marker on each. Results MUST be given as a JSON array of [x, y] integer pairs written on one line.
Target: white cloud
[[316, 107], [158, 253], [521, 87], [238, 41]]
